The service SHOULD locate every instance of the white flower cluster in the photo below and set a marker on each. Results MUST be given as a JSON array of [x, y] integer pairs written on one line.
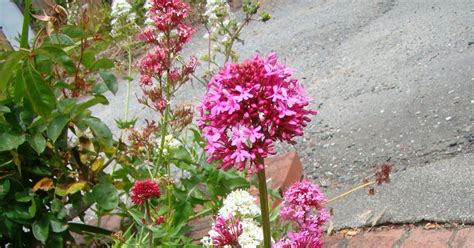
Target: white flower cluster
[[252, 234], [220, 22], [217, 10], [240, 204], [121, 8], [170, 144]]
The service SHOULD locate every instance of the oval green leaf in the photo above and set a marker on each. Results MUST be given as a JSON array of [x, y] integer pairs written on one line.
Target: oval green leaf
[[106, 196], [41, 229], [37, 142]]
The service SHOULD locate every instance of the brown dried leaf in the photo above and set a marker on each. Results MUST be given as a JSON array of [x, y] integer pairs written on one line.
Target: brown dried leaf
[[430, 226], [44, 184], [350, 233]]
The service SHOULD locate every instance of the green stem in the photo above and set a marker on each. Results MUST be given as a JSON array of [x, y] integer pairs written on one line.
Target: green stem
[[148, 213], [262, 191], [26, 24], [164, 119], [201, 214], [234, 36], [127, 96]]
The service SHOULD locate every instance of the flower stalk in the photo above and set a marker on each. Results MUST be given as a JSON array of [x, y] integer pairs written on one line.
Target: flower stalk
[[129, 76], [349, 192], [262, 190], [150, 220]]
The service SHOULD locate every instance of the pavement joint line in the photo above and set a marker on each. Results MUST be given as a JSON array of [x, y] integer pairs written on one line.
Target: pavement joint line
[[343, 243], [452, 238], [402, 239]]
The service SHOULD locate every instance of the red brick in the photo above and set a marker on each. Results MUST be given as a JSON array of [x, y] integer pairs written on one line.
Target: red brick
[[284, 170], [381, 239], [464, 238], [420, 238], [333, 241], [200, 227], [109, 222]]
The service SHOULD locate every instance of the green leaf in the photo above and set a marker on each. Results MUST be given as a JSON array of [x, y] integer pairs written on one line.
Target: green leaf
[[8, 227], [18, 88], [125, 124], [236, 181], [58, 39], [88, 59], [56, 205], [55, 241], [9, 67], [73, 31], [4, 109], [24, 196], [58, 56], [136, 215], [65, 106], [38, 92], [4, 188], [57, 226], [106, 195], [37, 142], [10, 141], [75, 187], [60, 191], [103, 64], [21, 212], [87, 104], [110, 80], [63, 85], [80, 228], [56, 127], [41, 229], [99, 88], [100, 130]]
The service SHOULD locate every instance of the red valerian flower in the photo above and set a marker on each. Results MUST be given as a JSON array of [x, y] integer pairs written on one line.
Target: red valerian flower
[[383, 173], [144, 190], [303, 204], [226, 231], [160, 220], [166, 37], [249, 106]]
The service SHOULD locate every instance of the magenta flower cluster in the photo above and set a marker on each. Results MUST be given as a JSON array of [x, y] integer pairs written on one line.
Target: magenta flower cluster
[[226, 231], [249, 106], [167, 36], [303, 205]]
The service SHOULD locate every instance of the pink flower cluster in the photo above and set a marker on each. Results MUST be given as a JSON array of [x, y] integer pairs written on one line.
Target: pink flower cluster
[[226, 231], [303, 205], [167, 36], [247, 107], [144, 190], [167, 14]]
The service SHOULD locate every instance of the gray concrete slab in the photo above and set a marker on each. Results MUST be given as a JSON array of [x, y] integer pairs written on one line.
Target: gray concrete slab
[[11, 21], [439, 192]]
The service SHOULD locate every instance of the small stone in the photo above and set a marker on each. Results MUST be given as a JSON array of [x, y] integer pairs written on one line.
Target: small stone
[[449, 118], [324, 183]]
